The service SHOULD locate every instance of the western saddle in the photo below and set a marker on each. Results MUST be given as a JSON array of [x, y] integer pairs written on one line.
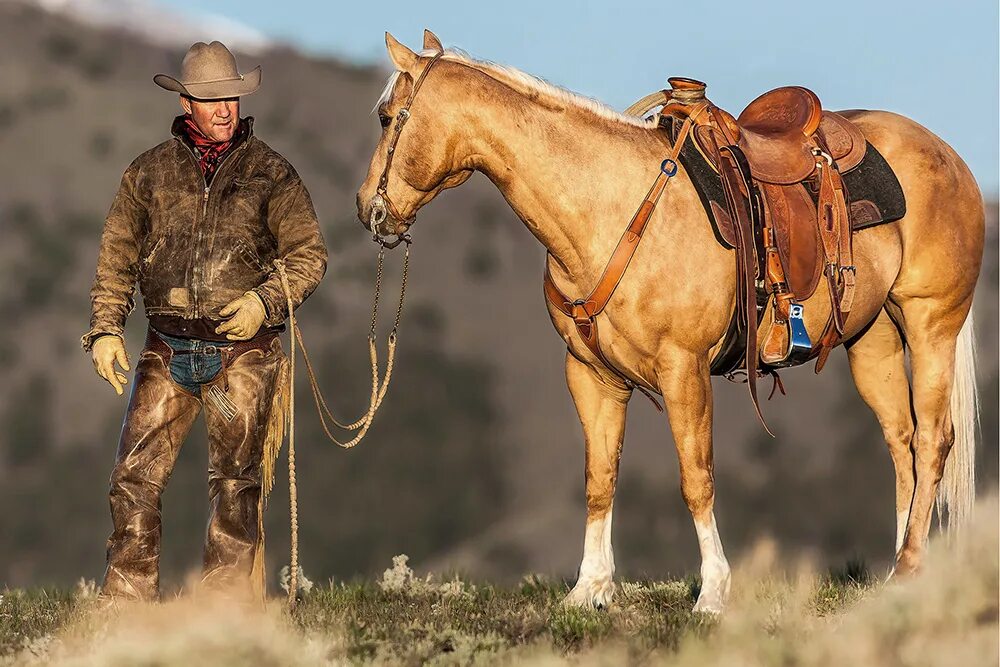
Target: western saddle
[[780, 164]]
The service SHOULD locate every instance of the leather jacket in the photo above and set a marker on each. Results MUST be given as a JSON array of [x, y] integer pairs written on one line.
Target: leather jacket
[[194, 246]]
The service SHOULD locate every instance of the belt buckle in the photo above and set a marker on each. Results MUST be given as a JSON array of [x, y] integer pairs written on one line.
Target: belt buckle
[[210, 349]]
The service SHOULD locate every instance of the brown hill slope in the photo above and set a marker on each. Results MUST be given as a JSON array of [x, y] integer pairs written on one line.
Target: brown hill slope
[[477, 458]]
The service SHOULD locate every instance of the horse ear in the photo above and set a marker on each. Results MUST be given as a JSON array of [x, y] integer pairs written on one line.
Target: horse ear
[[431, 41], [403, 58]]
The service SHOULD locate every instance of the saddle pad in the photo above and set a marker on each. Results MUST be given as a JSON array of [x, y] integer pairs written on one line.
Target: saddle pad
[[709, 187], [874, 195]]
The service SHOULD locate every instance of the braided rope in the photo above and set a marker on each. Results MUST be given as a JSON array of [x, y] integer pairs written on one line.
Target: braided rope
[[378, 392], [293, 494], [379, 388]]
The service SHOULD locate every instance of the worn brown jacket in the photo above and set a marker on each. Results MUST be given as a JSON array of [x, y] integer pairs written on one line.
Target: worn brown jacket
[[194, 248]]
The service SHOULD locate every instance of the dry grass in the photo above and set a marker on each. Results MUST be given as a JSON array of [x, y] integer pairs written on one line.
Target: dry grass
[[947, 615]]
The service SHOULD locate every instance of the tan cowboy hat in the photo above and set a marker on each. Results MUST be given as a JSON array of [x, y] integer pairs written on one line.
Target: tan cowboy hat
[[209, 73]]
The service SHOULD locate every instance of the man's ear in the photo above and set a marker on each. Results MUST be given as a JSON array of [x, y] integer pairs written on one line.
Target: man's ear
[[431, 41], [185, 104], [403, 58]]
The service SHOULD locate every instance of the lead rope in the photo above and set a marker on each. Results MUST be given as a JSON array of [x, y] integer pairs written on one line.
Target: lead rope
[[293, 493], [378, 389], [378, 393]]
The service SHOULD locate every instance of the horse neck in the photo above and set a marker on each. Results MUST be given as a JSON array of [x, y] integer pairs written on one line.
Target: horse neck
[[573, 177]]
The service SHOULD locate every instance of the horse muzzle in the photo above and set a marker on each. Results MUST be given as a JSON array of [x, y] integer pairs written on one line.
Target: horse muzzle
[[381, 220]]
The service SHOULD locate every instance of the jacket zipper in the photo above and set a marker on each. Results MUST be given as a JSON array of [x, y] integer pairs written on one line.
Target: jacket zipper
[[204, 216]]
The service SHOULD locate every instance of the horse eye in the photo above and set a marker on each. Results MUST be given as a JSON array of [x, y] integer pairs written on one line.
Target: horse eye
[[384, 120]]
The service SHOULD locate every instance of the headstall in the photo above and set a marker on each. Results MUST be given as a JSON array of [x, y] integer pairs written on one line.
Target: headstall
[[382, 206]]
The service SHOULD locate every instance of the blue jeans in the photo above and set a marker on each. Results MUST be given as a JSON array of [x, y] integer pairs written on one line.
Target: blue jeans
[[198, 367]]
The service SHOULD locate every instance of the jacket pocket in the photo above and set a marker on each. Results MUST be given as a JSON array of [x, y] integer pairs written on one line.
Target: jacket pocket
[[252, 181], [252, 194], [249, 254], [147, 260]]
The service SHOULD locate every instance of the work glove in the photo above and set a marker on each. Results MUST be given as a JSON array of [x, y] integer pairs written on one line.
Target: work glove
[[106, 351], [247, 315]]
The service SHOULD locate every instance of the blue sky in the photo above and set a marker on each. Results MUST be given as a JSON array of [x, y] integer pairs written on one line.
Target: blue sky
[[932, 61]]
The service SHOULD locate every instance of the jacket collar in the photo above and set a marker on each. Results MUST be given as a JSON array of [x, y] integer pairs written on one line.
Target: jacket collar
[[244, 130]]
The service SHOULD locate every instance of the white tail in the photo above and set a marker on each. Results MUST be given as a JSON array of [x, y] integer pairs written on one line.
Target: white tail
[[957, 491]]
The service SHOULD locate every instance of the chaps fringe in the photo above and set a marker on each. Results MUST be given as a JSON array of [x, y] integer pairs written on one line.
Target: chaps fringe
[[277, 422]]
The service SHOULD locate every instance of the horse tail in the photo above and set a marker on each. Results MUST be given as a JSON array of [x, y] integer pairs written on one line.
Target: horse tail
[[957, 490]]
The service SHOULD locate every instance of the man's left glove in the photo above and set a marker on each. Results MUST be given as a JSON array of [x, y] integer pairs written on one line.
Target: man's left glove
[[247, 313]]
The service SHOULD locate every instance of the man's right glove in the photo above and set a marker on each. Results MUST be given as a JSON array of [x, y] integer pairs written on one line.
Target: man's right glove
[[106, 351]]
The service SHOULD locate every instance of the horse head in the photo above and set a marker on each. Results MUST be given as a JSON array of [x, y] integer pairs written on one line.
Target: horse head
[[415, 158]]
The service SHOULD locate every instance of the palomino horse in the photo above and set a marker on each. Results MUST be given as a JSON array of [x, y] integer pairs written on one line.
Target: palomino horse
[[574, 171]]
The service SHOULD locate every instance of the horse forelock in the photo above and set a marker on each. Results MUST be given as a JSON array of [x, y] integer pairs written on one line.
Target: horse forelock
[[386, 95], [518, 79]]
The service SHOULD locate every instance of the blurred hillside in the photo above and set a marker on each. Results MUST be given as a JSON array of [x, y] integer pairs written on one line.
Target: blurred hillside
[[476, 460]]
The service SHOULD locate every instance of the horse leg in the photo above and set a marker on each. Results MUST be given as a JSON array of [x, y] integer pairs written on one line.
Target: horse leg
[[686, 384], [877, 364], [601, 408], [931, 327]]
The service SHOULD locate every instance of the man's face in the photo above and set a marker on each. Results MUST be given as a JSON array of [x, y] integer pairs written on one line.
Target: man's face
[[217, 119]]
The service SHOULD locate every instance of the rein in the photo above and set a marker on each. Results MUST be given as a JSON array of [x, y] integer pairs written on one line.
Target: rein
[[378, 392], [382, 209]]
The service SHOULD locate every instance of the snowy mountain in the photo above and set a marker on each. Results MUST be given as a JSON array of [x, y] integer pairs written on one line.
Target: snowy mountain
[[160, 25]]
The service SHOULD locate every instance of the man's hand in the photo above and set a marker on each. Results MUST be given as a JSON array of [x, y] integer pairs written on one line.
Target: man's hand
[[247, 315], [106, 351]]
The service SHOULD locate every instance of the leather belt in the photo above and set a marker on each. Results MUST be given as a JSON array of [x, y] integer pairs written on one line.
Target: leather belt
[[234, 349], [229, 352]]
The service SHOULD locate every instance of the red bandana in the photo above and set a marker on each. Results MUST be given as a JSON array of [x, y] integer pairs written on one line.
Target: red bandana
[[209, 152]]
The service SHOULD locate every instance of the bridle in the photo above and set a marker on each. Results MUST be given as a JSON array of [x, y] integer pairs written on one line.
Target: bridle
[[382, 206]]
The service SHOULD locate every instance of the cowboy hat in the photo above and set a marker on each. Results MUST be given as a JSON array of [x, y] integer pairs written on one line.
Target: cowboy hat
[[209, 72]]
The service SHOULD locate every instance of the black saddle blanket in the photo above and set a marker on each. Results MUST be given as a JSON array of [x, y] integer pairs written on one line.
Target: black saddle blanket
[[874, 195]]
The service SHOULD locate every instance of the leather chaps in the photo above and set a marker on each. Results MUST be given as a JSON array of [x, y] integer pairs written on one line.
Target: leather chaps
[[160, 414]]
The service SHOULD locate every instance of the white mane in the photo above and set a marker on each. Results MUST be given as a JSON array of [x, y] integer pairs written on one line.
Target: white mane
[[518, 79]]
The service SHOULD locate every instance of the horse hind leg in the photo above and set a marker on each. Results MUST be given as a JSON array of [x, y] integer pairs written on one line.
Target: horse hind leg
[[936, 335], [601, 407], [877, 364], [686, 384]]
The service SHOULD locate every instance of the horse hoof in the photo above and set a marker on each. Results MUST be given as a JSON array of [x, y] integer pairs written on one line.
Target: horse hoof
[[709, 604], [907, 565], [594, 594]]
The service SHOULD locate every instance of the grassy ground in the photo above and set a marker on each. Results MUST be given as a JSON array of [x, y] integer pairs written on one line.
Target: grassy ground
[[789, 616], [452, 621]]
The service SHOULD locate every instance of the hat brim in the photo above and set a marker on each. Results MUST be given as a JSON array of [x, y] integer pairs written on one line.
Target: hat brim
[[213, 90]]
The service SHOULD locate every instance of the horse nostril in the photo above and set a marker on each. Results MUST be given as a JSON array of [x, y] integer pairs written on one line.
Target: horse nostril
[[363, 214]]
